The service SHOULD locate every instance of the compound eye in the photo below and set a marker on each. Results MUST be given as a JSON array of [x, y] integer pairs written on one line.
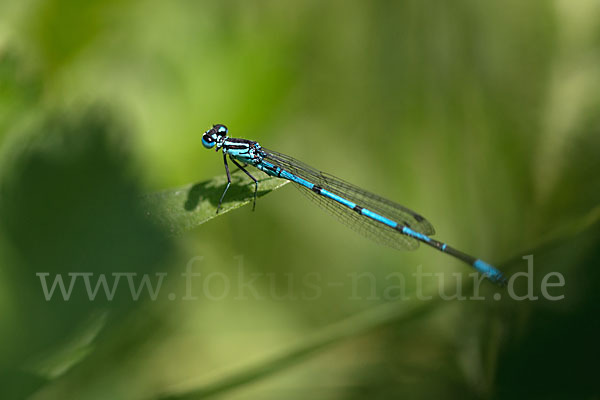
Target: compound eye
[[208, 139]]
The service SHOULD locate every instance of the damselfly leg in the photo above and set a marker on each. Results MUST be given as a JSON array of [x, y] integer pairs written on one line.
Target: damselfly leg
[[251, 177], [228, 182], [241, 168]]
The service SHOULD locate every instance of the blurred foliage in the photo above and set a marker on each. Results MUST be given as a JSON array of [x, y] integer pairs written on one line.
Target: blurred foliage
[[482, 116], [69, 201]]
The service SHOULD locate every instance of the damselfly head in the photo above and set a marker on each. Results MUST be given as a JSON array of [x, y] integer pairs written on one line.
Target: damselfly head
[[214, 135]]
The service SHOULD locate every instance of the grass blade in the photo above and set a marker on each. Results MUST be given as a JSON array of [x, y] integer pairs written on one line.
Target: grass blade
[[181, 209]]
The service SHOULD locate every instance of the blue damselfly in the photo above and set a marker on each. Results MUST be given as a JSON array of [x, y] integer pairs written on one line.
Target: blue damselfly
[[375, 217]]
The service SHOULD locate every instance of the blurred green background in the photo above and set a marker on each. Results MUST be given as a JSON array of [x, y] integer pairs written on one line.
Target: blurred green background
[[481, 115]]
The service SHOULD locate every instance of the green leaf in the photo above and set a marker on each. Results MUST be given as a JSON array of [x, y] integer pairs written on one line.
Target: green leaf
[[181, 209]]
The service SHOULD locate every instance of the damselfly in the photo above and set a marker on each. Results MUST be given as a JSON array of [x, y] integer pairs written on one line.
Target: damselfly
[[375, 217]]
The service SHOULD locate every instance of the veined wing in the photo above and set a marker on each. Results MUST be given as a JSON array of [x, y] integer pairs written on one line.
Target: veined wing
[[366, 226]]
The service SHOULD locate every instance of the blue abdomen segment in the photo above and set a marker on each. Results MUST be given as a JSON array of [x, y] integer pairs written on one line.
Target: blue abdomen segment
[[486, 269], [489, 270], [273, 170], [417, 235], [378, 218], [333, 196]]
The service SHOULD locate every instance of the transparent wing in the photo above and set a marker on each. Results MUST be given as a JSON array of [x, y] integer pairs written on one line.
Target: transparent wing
[[365, 226]]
